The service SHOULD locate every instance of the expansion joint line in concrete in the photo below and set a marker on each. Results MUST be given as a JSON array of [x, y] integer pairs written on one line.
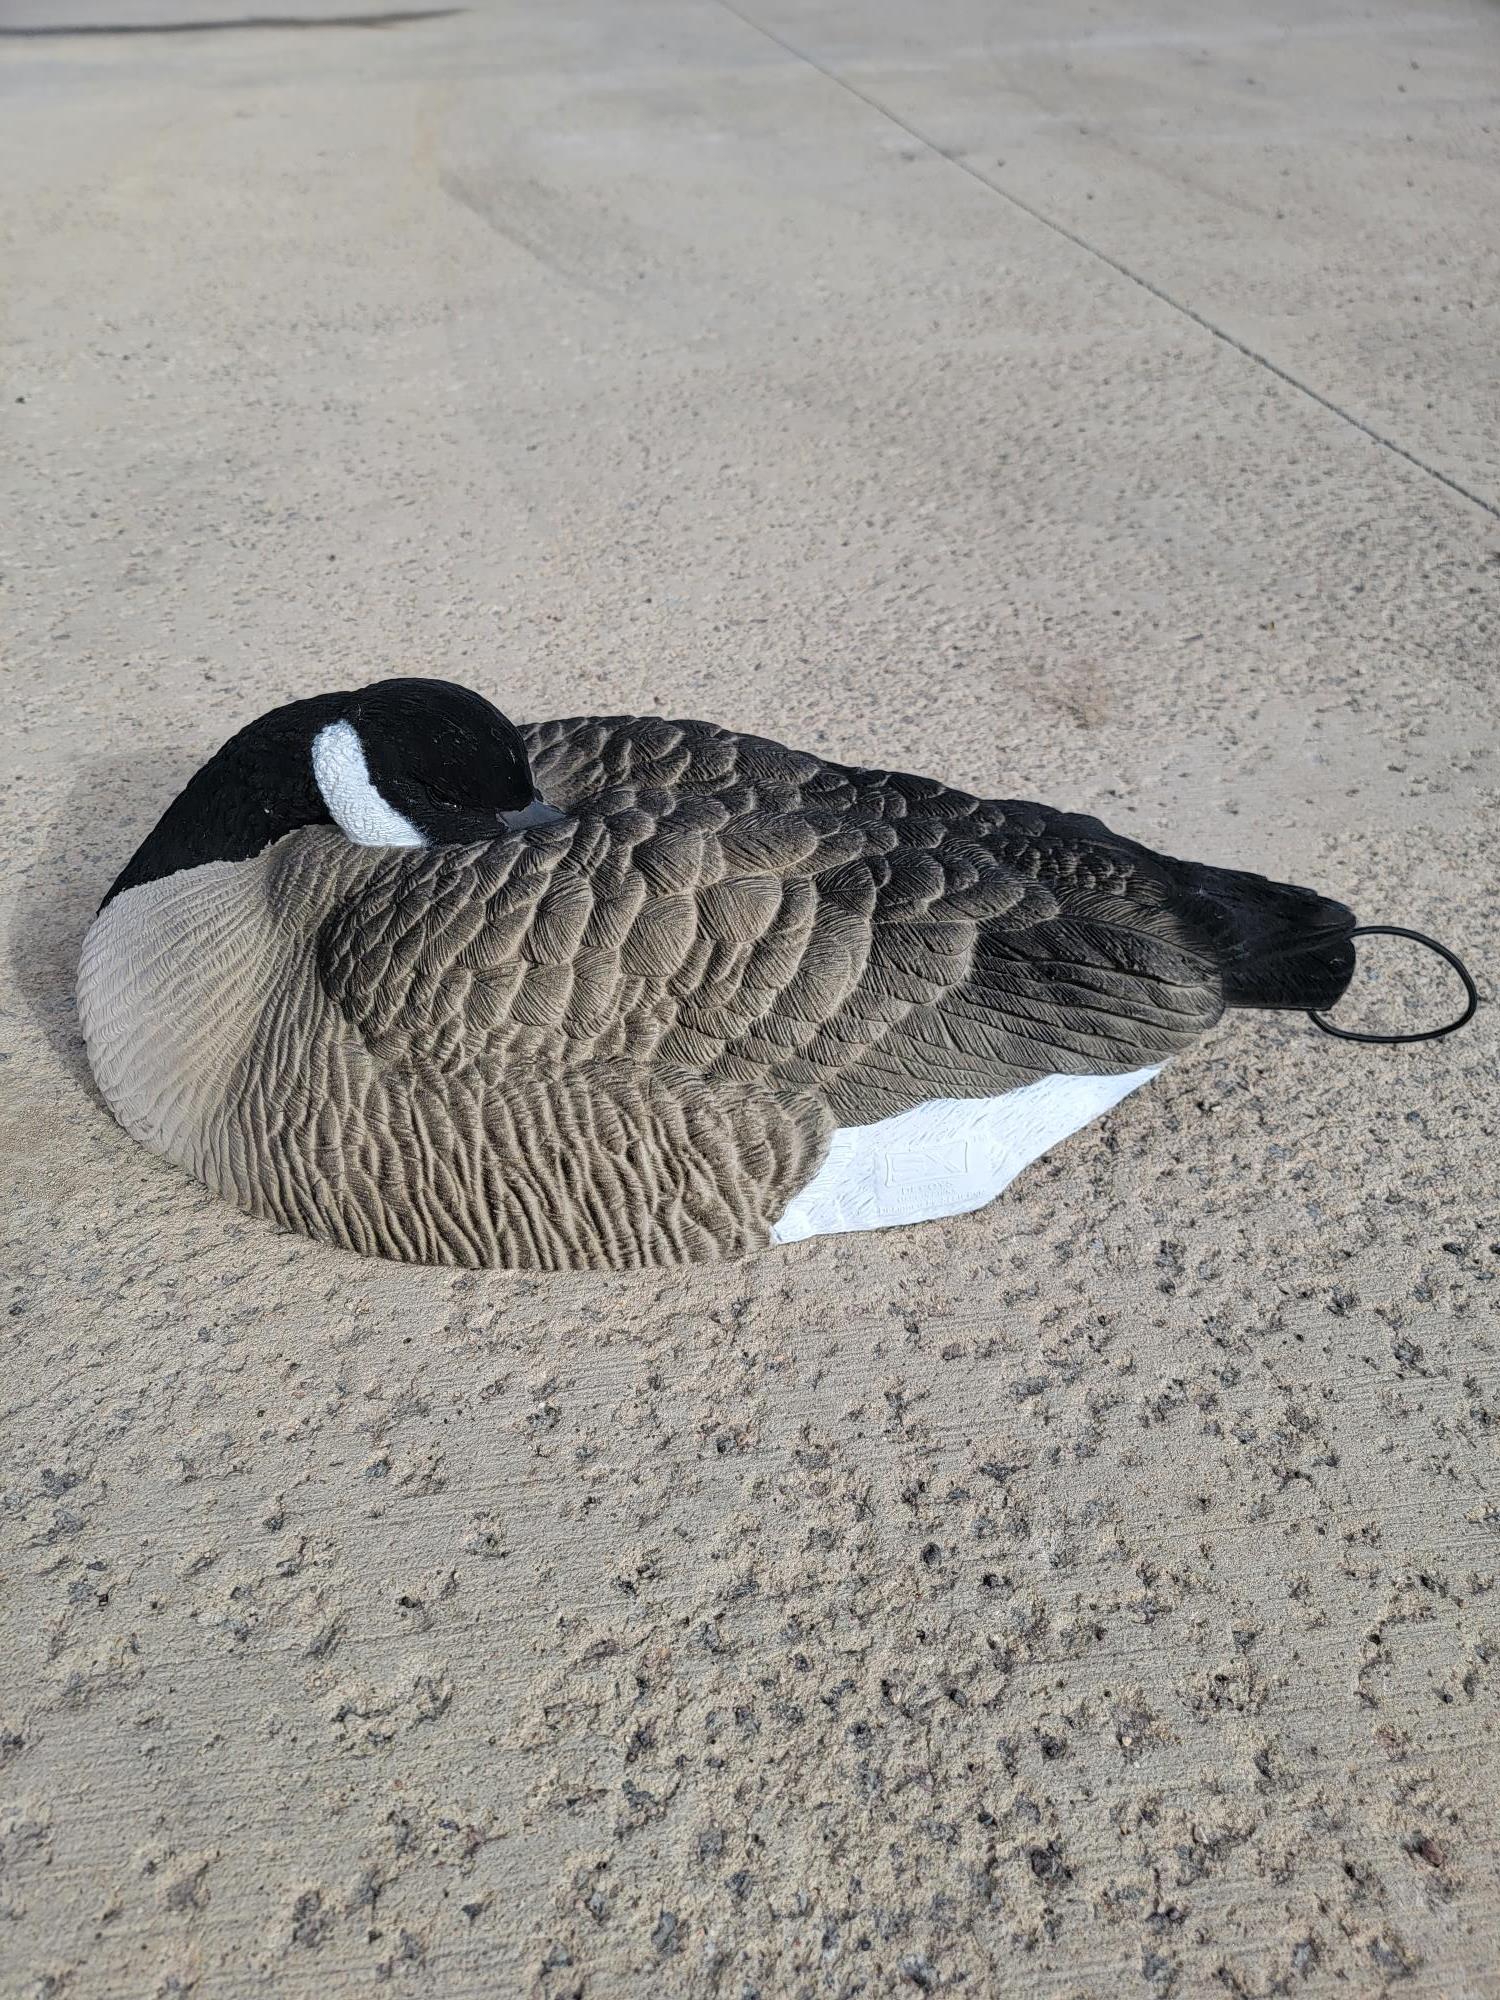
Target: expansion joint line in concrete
[[1092, 250]]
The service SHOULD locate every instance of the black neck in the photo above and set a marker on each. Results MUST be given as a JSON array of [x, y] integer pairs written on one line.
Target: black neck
[[257, 788]]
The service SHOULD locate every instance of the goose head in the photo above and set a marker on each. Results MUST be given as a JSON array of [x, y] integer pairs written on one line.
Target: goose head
[[403, 763]]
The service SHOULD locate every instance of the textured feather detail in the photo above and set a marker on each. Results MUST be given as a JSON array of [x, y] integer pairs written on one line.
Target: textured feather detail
[[878, 938], [627, 1036], [215, 1044], [1277, 945]]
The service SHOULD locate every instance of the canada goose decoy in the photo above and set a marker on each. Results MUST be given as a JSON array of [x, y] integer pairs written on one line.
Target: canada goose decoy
[[712, 994]]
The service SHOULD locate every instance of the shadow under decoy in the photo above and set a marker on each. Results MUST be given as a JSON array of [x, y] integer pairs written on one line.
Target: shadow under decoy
[[400, 17], [109, 808]]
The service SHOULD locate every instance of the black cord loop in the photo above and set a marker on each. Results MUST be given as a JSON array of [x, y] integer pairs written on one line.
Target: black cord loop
[[1421, 1034]]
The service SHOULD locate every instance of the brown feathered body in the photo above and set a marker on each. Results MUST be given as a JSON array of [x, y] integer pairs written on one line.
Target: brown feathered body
[[626, 1038]]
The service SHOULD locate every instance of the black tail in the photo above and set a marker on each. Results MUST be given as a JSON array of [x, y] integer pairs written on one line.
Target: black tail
[[1277, 945]]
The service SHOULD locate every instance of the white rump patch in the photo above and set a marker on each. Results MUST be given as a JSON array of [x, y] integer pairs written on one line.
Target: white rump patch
[[945, 1157], [349, 791]]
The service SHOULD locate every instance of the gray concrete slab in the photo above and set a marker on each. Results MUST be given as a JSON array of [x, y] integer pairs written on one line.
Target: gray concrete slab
[[1305, 179], [1087, 1596]]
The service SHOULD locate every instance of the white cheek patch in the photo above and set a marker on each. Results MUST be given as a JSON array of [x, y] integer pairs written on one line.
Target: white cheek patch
[[349, 792]]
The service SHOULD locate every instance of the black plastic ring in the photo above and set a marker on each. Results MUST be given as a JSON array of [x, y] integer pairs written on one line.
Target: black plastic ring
[[1422, 1034]]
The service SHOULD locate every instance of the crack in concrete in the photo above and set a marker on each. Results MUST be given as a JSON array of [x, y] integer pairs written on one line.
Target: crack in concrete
[[400, 18], [1061, 229]]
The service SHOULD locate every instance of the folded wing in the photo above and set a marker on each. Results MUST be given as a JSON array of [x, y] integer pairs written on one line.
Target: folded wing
[[722, 908]]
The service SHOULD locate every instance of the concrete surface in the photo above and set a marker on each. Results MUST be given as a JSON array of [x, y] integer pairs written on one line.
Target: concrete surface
[[1090, 1598]]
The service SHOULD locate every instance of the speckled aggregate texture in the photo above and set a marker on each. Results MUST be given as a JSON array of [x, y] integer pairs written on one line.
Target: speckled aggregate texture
[[1091, 1597]]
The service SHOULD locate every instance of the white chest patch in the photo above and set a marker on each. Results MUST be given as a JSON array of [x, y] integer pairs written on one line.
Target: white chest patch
[[349, 791], [945, 1157]]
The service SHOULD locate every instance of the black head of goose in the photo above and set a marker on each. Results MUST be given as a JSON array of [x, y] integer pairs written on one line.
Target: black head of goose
[[617, 991], [405, 763]]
